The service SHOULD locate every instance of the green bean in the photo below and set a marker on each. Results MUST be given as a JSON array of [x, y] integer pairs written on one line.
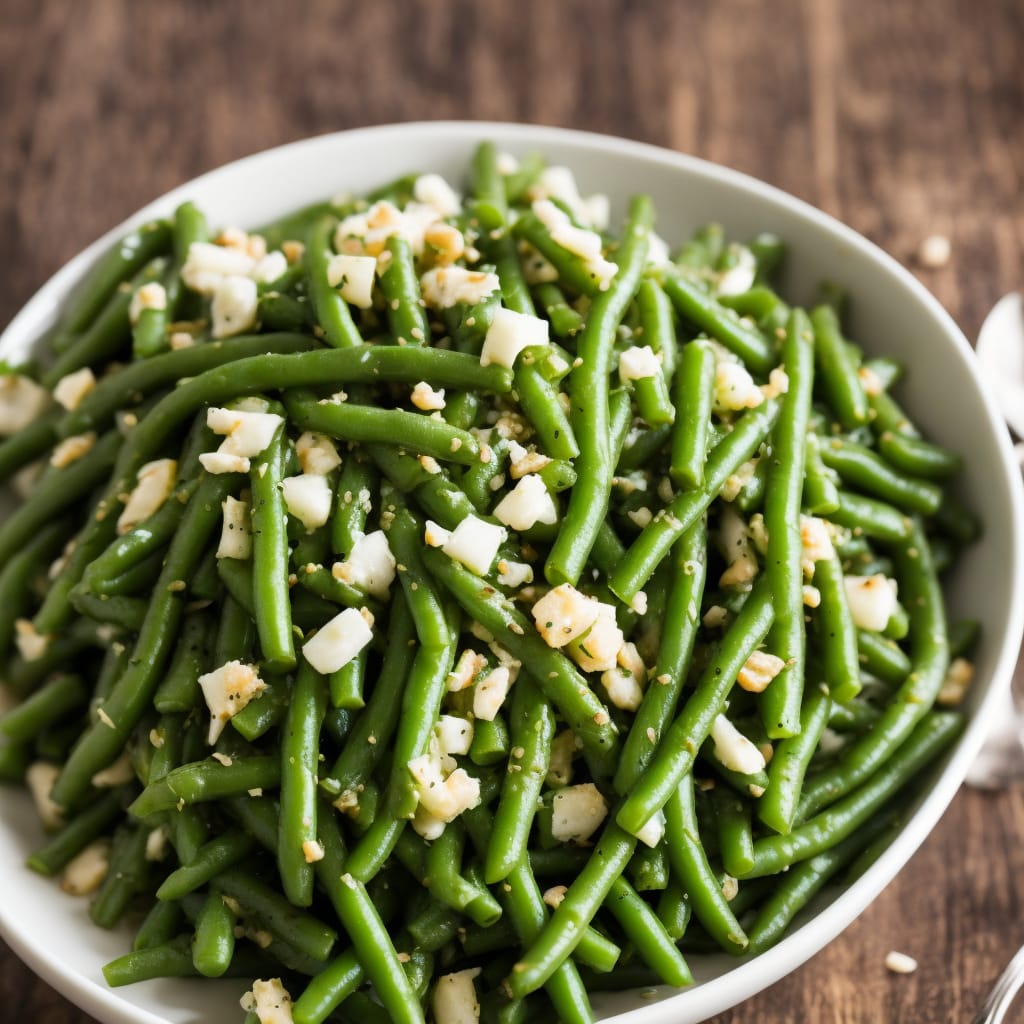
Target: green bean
[[689, 569], [117, 609], [401, 290], [690, 865], [28, 444], [835, 632], [189, 226], [163, 922], [836, 370], [202, 781], [556, 676], [563, 930], [57, 493], [90, 823], [590, 418], [916, 456], [540, 402], [674, 910], [180, 685], [216, 856], [870, 518], [929, 660], [692, 725], [735, 833], [332, 313], [932, 734], [653, 402], [491, 741], [171, 960], [436, 493], [865, 469], [327, 990], [133, 692], [533, 729], [143, 378], [777, 807], [573, 273], [820, 494], [55, 700], [565, 321], [647, 933], [374, 726], [450, 884], [297, 928], [670, 523], [103, 339], [414, 431], [125, 877], [214, 942], [489, 201], [963, 637], [695, 305], [648, 870], [118, 264], [694, 394], [657, 324], [271, 605], [780, 705]]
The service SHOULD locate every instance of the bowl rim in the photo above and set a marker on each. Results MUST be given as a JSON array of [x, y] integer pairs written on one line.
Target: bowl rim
[[748, 976]]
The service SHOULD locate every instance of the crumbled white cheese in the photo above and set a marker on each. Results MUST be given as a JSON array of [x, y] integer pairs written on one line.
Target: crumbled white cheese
[[759, 670], [579, 241], [208, 265], [22, 401], [236, 529], [31, 645], [576, 813], [425, 825], [353, 276], [370, 566], [317, 453], [367, 233], [233, 309], [959, 676], [444, 287], [514, 574], [152, 295], [638, 362], [454, 1000], [426, 398], [563, 614], [227, 690], [40, 777], [71, 449], [510, 332], [737, 549], [467, 668], [445, 243], [560, 183], [734, 750], [73, 387], [527, 504], [738, 278], [624, 690], [312, 851], [816, 543], [454, 734], [872, 600], [270, 1001], [155, 482], [524, 461], [735, 388], [85, 872], [490, 692], [475, 544], [778, 383], [269, 268], [337, 642], [653, 831], [597, 650], [246, 434], [444, 797], [432, 190], [308, 497]]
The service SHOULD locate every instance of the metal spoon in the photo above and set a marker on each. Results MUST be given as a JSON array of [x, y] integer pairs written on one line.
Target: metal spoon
[[1000, 352]]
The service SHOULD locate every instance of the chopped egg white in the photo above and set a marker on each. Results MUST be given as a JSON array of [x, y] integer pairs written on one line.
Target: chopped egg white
[[872, 600], [490, 692], [444, 287], [734, 750], [233, 309], [527, 504], [226, 691], [738, 278], [308, 497], [338, 641], [597, 650], [735, 388], [353, 276], [208, 265], [510, 332], [577, 812], [638, 362], [73, 387], [475, 544], [246, 434], [317, 453], [563, 614], [432, 190], [155, 482], [370, 566]]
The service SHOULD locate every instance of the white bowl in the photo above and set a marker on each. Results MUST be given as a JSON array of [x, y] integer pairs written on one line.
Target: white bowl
[[891, 313]]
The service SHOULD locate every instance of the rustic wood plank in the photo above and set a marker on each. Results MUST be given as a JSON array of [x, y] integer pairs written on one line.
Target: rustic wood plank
[[901, 119]]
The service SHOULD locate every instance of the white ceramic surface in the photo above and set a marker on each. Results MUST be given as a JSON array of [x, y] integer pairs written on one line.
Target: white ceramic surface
[[891, 313]]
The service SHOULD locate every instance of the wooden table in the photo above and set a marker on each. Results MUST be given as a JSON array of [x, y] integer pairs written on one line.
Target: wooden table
[[901, 119]]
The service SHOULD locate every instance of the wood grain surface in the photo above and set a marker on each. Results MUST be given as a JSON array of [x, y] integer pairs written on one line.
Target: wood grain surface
[[903, 119]]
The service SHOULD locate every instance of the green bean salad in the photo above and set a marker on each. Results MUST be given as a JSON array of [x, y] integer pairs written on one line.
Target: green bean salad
[[439, 606]]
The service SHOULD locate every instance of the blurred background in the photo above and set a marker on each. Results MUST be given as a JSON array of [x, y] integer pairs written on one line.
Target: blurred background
[[904, 120]]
